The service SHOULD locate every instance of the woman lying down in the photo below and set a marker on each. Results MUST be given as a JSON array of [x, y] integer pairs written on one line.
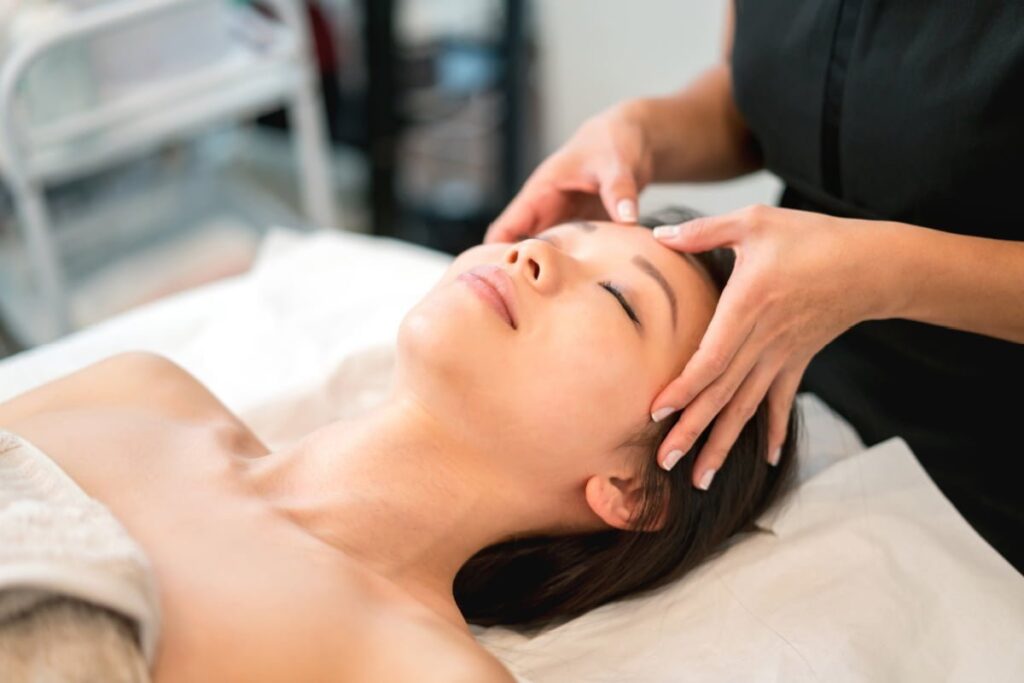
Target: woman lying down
[[509, 478]]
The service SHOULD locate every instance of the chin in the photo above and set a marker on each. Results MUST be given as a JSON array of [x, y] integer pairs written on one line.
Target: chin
[[453, 359], [448, 342]]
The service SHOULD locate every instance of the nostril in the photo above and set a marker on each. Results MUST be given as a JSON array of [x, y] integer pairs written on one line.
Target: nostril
[[535, 267], [513, 256]]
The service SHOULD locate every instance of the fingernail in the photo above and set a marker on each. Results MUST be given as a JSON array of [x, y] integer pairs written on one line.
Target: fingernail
[[671, 459], [626, 209], [705, 481], [773, 460], [666, 231], [661, 413]]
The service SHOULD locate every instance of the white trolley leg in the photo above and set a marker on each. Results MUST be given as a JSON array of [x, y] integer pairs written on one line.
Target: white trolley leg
[[308, 127], [307, 122], [44, 259]]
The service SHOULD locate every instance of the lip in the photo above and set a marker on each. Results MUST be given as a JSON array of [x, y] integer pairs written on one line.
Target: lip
[[495, 286]]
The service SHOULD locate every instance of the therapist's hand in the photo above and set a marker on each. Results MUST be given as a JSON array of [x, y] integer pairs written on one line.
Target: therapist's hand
[[596, 175], [800, 280]]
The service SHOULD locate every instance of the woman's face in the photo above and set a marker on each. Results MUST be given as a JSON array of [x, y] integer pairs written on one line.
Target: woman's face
[[557, 394]]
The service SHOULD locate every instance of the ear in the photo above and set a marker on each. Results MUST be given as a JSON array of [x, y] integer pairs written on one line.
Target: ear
[[616, 499]]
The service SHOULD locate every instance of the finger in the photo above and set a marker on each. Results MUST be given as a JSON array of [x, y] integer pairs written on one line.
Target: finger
[[618, 194], [701, 234], [780, 404], [708, 404], [535, 208], [731, 421], [519, 218], [727, 332]]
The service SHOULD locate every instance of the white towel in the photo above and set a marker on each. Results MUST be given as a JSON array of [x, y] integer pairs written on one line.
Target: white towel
[[78, 599]]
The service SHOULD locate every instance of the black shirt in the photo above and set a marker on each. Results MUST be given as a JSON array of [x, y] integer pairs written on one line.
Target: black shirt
[[912, 111]]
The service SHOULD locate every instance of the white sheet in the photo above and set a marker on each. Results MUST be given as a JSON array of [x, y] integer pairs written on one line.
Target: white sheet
[[869, 575]]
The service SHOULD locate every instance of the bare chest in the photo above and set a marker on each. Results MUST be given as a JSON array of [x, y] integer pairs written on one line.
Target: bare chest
[[244, 595]]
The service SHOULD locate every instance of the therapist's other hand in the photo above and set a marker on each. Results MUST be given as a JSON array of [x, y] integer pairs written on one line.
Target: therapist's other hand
[[800, 280], [596, 175]]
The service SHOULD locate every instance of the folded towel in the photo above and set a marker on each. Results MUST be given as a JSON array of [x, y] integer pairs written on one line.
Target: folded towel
[[78, 599]]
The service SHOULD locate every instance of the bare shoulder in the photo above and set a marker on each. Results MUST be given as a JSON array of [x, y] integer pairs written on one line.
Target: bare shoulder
[[476, 664], [451, 661], [431, 651], [139, 380]]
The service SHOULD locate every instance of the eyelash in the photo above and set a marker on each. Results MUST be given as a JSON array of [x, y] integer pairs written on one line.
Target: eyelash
[[622, 300]]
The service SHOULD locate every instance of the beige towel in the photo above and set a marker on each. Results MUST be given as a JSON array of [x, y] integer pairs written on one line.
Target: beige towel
[[78, 600]]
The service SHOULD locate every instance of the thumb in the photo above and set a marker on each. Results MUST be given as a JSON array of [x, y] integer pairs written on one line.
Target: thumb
[[699, 234], [518, 218], [535, 208], [618, 195]]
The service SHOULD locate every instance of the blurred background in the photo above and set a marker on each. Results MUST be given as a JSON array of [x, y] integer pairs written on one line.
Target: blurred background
[[147, 146]]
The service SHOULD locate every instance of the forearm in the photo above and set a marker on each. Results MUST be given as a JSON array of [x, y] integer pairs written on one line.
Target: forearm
[[696, 134], [966, 283]]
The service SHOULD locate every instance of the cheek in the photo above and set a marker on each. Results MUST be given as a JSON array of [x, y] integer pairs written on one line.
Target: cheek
[[589, 388], [444, 335], [445, 323]]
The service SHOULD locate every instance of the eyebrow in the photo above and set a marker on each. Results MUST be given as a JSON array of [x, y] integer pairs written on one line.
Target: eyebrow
[[648, 267], [640, 262]]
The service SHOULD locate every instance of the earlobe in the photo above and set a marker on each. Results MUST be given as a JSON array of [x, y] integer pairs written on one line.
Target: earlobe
[[610, 499], [614, 500]]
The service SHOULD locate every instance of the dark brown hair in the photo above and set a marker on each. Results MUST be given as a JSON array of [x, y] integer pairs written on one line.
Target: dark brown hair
[[533, 582]]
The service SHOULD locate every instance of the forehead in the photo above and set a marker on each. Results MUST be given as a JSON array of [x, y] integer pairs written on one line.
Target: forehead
[[635, 239]]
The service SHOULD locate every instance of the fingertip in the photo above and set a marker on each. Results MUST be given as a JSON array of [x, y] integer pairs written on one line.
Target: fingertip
[[704, 482], [670, 460], [498, 231], [618, 191], [665, 231], [626, 210], [776, 438], [661, 413], [674, 393], [519, 217]]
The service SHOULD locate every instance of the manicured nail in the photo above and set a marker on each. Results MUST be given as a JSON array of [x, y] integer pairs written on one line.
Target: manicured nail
[[663, 231], [626, 209], [705, 481], [774, 459], [661, 413], [671, 459]]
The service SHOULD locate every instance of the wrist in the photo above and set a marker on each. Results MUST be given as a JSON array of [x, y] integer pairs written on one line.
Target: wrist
[[889, 256], [695, 134]]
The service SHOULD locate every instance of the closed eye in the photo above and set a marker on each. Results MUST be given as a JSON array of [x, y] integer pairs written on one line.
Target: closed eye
[[622, 300]]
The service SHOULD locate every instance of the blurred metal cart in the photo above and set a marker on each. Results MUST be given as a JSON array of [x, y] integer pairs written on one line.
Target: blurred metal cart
[[257, 75]]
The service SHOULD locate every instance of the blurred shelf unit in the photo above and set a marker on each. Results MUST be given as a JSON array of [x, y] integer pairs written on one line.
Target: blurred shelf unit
[[441, 103], [117, 221], [109, 81]]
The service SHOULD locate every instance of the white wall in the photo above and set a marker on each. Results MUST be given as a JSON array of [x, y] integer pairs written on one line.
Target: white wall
[[593, 53]]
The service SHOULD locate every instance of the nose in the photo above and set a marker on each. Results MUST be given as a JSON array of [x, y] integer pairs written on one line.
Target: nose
[[534, 261]]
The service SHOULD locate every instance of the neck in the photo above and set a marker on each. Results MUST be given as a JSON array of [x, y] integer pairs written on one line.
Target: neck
[[398, 491]]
